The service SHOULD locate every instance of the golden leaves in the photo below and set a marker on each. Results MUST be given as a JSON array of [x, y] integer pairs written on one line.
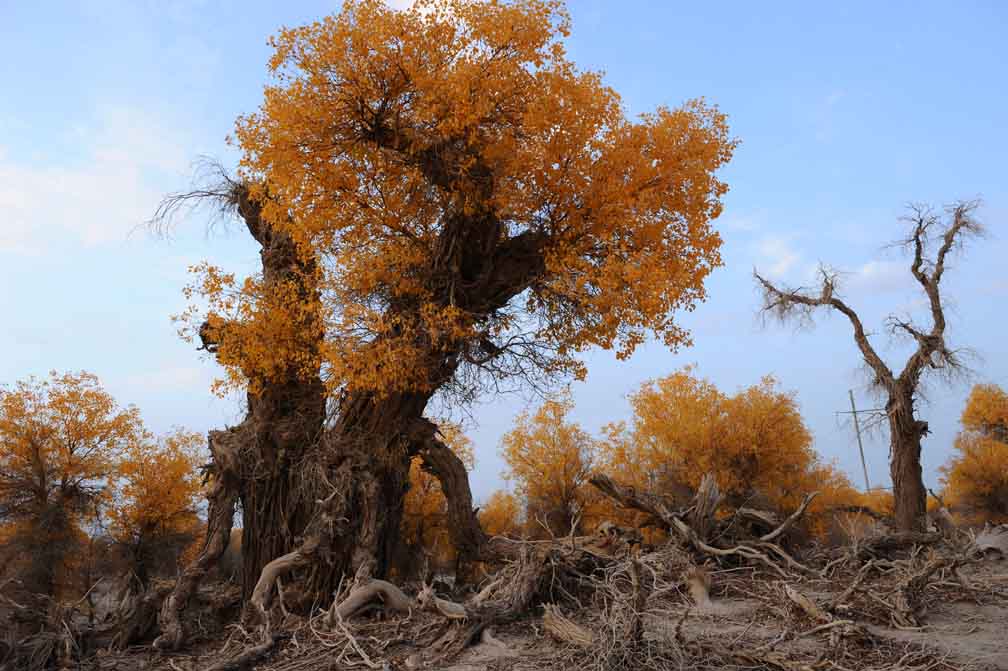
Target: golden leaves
[[501, 515], [976, 478], [754, 442], [549, 460], [59, 442], [157, 487], [406, 152], [67, 448]]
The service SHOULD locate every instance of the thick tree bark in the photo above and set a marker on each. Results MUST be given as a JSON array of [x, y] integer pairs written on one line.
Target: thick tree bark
[[905, 433], [285, 426]]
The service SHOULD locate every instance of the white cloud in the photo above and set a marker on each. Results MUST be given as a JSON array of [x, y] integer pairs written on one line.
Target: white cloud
[[99, 196], [740, 222], [879, 276], [403, 5], [775, 256]]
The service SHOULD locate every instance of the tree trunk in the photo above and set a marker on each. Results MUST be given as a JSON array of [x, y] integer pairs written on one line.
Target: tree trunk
[[222, 498], [905, 433]]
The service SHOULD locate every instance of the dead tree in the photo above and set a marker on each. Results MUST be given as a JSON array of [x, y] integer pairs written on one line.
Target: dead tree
[[928, 229]]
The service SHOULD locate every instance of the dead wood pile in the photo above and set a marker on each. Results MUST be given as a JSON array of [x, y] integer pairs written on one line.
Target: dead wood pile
[[607, 602]]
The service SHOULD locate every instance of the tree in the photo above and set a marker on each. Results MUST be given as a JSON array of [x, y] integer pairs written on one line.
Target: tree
[[930, 240], [550, 459], [501, 514], [446, 204], [59, 442], [755, 443], [157, 489], [425, 515], [976, 479]]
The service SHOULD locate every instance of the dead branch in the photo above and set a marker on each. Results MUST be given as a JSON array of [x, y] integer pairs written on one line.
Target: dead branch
[[992, 539], [564, 629], [792, 518], [698, 583]]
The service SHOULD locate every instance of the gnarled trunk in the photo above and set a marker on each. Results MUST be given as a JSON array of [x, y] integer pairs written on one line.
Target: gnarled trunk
[[285, 426], [905, 433]]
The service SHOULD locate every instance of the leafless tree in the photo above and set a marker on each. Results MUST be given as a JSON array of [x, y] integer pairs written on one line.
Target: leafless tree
[[931, 238]]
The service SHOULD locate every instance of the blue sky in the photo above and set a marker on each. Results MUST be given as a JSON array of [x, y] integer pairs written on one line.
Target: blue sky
[[846, 112]]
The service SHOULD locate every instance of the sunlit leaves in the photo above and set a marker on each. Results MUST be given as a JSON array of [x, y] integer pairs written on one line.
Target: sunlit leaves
[[501, 515], [976, 478], [60, 440], [157, 488], [469, 195], [549, 460], [755, 442]]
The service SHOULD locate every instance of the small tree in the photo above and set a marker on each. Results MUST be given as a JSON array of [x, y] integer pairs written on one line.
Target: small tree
[[976, 479], [153, 517], [930, 240], [755, 442], [550, 459], [501, 514], [59, 442]]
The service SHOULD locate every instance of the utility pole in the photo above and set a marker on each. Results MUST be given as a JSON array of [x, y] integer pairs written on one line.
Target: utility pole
[[857, 430]]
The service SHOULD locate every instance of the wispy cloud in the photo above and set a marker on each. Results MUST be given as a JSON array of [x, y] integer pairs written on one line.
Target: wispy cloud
[[775, 256], [97, 196], [741, 222], [881, 276]]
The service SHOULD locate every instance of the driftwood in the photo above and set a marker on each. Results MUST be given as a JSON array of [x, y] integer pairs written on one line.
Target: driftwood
[[698, 583], [564, 629], [992, 539], [695, 526]]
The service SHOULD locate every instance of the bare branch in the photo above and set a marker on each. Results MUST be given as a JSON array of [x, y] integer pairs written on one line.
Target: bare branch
[[786, 304], [932, 352]]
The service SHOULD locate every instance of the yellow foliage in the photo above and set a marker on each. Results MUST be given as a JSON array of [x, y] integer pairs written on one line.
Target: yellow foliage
[[60, 439], [423, 155], [157, 489], [550, 459], [976, 478], [754, 442], [501, 515], [425, 520]]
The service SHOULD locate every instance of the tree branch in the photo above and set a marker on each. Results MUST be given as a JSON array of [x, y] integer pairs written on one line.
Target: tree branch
[[789, 303]]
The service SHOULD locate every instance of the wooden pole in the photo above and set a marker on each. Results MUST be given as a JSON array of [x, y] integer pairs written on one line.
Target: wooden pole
[[857, 430]]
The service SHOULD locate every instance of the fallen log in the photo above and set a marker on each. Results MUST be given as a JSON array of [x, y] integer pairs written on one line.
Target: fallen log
[[992, 539]]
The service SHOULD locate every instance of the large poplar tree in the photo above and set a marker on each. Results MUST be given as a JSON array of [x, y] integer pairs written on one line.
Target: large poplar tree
[[445, 203]]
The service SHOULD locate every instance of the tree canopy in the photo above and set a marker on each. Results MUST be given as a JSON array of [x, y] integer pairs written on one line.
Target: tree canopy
[[550, 459], [440, 163], [156, 495], [755, 443], [60, 440], [976, 478]]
